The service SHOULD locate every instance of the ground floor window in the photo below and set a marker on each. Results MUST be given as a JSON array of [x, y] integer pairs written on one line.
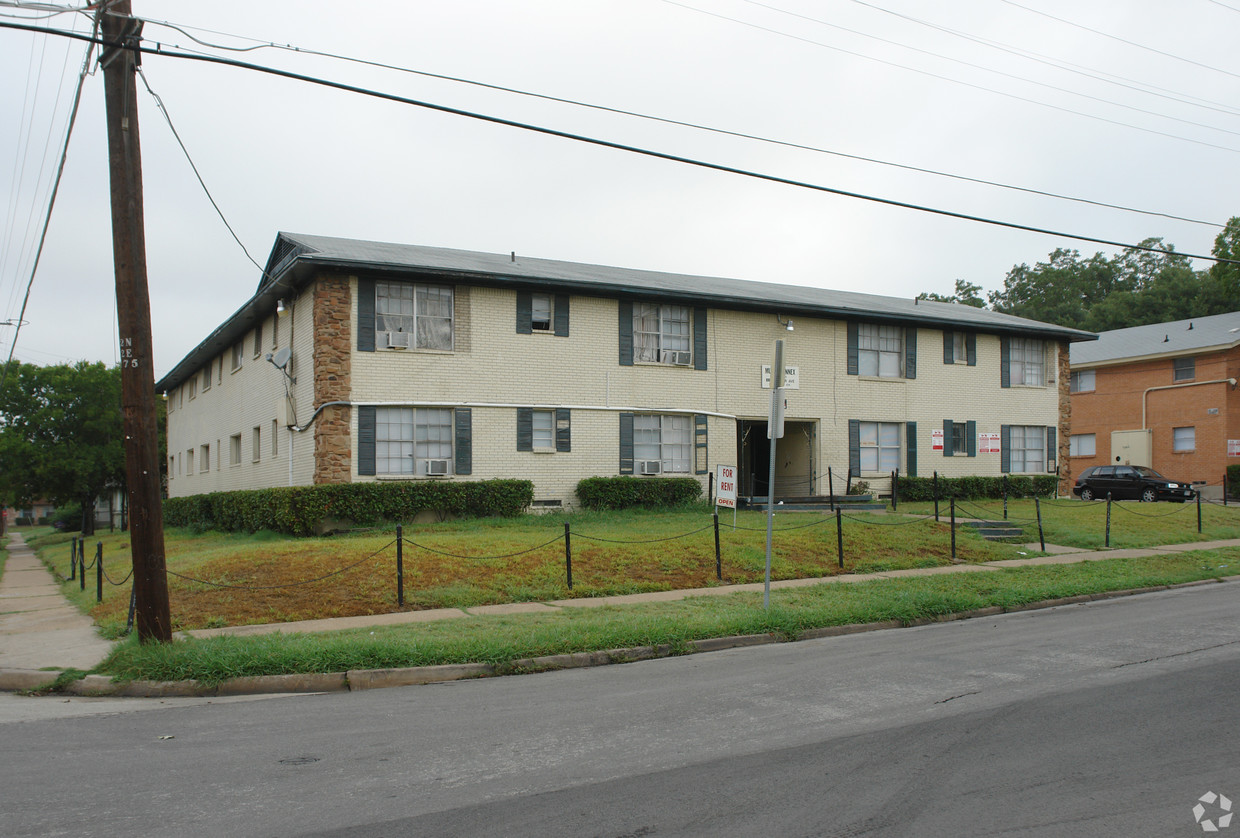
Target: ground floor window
[[1082, 445], [662, 443], [1027, 448], [880, 446], [1184, 439], [413, 440]]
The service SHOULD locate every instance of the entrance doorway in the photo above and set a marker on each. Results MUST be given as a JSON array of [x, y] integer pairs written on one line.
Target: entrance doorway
[[795, 473]]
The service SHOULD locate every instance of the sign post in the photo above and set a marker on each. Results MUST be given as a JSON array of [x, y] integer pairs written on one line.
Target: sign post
[[775, 430]]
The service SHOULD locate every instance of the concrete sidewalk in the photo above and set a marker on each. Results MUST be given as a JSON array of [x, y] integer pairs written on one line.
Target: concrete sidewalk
[[39, 628]]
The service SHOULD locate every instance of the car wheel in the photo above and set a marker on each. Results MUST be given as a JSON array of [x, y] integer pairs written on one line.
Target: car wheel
[[1148, 495], [1087, 493]]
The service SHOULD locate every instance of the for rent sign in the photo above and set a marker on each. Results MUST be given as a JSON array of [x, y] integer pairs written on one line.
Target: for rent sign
[[725, 486]]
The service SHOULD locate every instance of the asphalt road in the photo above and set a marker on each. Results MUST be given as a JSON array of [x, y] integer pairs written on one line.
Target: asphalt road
[[1110, 718]]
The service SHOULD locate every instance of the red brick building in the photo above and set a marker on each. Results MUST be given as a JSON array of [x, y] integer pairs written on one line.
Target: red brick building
[[1163, 396]]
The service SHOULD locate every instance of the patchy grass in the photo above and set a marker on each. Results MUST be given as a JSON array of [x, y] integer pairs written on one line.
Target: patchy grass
[[503, 640], [217, 579]]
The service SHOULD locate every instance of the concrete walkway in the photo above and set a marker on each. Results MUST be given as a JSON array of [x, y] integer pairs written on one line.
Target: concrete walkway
[[39, 628]]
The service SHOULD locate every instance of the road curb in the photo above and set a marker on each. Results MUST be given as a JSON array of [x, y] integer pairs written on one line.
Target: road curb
[[14, 680]]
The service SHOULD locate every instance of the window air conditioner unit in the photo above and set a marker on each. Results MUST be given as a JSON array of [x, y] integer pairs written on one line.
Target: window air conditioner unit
[[436, 467], [682, 359], [650, 467], [398, 340]]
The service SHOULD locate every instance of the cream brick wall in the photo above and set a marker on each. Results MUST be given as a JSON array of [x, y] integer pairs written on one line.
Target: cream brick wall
[[493, 365]]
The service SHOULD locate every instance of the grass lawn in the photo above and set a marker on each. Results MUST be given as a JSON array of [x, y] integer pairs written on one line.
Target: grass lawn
[[268, 578], [503, 640]]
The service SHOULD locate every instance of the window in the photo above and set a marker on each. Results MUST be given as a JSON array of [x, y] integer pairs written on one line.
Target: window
[[1082, 445], [1184, 439], [258, 338], [1082, 381], [413, 440], [541, 311], [275, 331], [1183, 369], [662, 444], [172, 466], [257, 449], [206, 375], [960, 438], [275, 438], [237, 353], [879, 349], [959, 350], [189, 461], [1027, 448], [544, 429], [220, 374], [1027, 360], [880, 446], [234, 450], [661, 334], [205, 465], [413, 316], [193, 388]]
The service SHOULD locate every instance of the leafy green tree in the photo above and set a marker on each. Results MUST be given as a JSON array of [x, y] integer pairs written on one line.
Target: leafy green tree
[[61, 434], [1225, 278], [1060, 290], [966, 294]]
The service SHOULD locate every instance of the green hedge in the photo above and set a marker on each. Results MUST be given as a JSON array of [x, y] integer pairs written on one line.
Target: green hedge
[[627, 492], [300, 510], [978, 488]]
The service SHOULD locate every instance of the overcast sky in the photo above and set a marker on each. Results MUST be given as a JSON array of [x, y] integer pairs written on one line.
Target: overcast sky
[[1126, 103]]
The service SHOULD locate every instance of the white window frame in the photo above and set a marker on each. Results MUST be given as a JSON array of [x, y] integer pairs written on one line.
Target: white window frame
[[542, 312], [407, 439], [1083, 381], [666, 438], [960, 439], [204, 465], [1184, 439], [661, 333], [258, 339], [256, 454], [1030, 442], [1083, 445], [880, 350], [238, 355], [419, 310], [234, 450], [880, 447], [1026, 362], [189, 461], [543, 429], [275, 438], [960, 348], [207, 375], [1183, 369]]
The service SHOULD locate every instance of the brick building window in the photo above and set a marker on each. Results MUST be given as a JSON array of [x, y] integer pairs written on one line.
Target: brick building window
[[1183, 369], [1184, 439]]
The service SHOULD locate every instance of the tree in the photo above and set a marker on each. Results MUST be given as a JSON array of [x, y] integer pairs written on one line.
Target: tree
[[61, 435], [966, 294], [1060, 290]]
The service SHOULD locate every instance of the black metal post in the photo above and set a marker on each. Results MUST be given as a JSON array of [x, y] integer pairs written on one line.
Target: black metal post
[[99, 572], [848, 482], [1005, 496], [710, 489], [1037, 505], [568, 555], [1198, 511], [73, 559], [718, 555], [400, 565], [953, 525], [895, 490], [831, 488], [1108, 541], [82, 565], [936, 497], [839, 535]]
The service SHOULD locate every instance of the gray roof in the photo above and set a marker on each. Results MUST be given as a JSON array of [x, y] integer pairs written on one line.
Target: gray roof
[[1179, 337], [296, 259]]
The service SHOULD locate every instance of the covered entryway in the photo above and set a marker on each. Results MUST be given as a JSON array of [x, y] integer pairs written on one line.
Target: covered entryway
[[795, 472]]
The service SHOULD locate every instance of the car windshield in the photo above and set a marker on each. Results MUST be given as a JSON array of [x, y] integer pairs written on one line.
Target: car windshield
[[1145, 471]]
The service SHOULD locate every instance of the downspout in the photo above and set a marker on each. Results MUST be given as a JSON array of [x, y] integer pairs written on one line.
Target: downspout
[[1148, 390]]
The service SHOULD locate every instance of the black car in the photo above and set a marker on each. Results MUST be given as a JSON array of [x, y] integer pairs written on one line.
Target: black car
[[1130, 483]]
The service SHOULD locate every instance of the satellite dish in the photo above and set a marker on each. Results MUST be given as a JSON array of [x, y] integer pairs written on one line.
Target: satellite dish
[[281, 358]]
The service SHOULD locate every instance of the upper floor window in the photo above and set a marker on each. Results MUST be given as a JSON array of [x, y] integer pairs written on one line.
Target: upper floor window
[[662, 334], [413, 316], [193, 387], [237, 353], [258, 339], [206, 375], [1082, 381], [542, 307], [879, 350], [1027, 360], [1183, 369]]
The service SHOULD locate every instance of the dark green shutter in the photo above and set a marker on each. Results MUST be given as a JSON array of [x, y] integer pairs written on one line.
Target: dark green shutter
[[853, 355], [563, 429], [561, 315], [1005, 449], [1005, 363], [464, 447], [366, 316], [910, 352], [970, 348], [525, 429], [854, 447], [970, 437], [700, 450], [1051, 453], [910, 448], [525, 313], [366, 439], [626, 341], [949, 356], [699, 339], [626, 443], [948, 445]]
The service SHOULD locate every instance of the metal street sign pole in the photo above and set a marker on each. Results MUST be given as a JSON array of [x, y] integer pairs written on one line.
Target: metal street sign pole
[[774, 432]]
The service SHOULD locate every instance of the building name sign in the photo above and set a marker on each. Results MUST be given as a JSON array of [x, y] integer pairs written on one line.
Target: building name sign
[[792, 377]]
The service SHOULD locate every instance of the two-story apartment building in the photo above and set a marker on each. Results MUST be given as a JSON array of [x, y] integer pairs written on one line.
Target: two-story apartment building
[[364, 361], [1162, 396]]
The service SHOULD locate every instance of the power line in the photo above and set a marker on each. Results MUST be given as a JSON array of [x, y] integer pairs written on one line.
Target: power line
[[718, 167]]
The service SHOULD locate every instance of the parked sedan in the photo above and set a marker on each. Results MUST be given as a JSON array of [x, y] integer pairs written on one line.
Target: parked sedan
[[1131, 483]]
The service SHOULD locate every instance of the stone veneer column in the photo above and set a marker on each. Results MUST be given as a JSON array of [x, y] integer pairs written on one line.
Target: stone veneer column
[[1063, 438], [333, 345]]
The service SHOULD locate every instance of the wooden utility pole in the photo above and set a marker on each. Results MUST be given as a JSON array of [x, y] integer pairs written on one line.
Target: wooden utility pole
[[146, 523]]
